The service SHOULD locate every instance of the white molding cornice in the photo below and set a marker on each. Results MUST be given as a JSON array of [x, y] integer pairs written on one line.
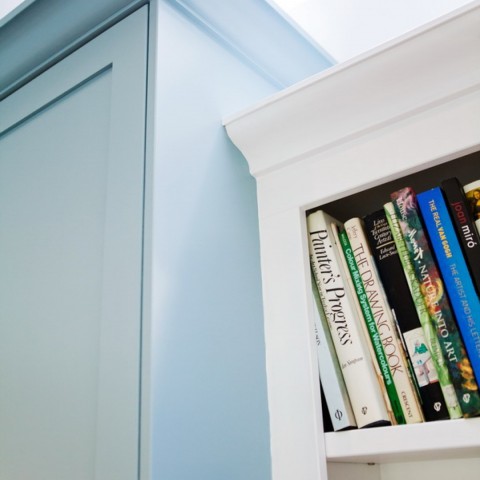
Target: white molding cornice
[[402, 78]]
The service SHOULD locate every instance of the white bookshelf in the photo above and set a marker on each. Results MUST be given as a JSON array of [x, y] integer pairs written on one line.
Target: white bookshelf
[[410, 107], [430, 441]]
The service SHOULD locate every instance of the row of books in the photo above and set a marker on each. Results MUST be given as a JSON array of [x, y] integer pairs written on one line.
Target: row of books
[[397, 308]]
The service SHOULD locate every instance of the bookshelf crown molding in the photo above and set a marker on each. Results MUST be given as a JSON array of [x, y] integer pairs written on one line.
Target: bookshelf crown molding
[[405, 77]]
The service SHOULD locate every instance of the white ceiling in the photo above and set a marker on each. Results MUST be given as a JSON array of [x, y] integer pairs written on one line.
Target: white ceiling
[[346, 28]]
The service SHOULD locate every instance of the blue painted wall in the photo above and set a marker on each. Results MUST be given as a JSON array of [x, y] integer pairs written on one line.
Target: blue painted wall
[[209, 401]]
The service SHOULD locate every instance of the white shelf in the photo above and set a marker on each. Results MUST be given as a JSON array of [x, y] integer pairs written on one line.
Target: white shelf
[[430, 441], [403, 108]]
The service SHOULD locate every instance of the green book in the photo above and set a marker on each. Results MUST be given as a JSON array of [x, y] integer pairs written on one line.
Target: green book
[[429, 329]]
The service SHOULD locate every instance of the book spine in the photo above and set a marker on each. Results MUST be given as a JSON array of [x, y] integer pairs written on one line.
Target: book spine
[[428, 326], [331, 378], [461, 291], [472, 193], [406, 206], [372, 329], [400, 300], [387, 328], [350, 344], [464, 226], [349, 283]]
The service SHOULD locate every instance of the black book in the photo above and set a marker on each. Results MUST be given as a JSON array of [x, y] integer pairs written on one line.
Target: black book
[[401, 302], [327, 420], [464, 226]]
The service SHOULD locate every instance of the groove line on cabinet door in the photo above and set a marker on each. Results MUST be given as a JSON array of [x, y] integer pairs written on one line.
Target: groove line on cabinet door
[[55, 100]]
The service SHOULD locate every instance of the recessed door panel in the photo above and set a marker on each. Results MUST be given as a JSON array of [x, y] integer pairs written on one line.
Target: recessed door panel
[[71, 209]]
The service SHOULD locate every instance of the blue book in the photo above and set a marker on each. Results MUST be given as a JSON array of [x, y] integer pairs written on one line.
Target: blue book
[[453, 267]]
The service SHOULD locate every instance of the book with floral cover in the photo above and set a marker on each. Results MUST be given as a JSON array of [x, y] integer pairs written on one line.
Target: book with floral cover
[[438, 305], [400, 299]]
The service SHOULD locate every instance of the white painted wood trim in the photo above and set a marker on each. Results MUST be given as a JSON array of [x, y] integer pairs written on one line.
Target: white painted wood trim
[[446, 439], [393, 82]]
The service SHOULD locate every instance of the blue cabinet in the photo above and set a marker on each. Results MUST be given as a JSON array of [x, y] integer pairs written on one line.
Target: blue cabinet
[[71, 220]]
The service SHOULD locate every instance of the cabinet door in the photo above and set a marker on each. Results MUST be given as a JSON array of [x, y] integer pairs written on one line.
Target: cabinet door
[[71, 209]]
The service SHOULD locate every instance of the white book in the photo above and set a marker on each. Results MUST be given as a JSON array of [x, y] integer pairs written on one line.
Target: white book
[[376, 366], [347, 334], [386, 324], [333, 383]]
